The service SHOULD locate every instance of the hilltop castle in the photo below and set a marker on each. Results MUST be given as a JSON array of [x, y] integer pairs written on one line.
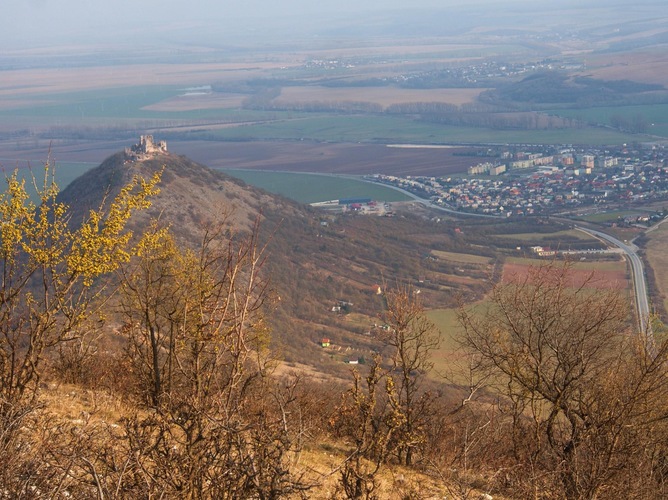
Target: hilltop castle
[[146, 148]]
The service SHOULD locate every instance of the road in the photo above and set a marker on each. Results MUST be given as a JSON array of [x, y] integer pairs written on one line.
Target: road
[[637, 269], [429, 204], [640, 286]]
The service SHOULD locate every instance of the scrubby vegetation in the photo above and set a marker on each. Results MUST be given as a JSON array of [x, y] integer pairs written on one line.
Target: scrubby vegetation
[[135, 366]]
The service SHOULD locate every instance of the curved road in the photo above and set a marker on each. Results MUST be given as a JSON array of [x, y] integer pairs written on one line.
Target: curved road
[[638, 272], [430, 204]]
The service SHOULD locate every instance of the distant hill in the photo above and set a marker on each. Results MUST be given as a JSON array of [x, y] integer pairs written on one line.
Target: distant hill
[[316, 261], [550, 88]]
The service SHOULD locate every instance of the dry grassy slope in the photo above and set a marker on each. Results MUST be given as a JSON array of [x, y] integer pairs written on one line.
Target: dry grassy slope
[[90, 412], [311, 266]]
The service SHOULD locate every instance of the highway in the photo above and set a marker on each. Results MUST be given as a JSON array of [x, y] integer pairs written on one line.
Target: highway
[[639, 284], [637, 269]]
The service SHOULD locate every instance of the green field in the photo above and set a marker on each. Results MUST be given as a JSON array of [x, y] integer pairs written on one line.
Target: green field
[[378, 128], [312, 188], [339, 128], [105, 107], [109, 103], [612, 216], [117, 107], [537, 238], [464, 258]]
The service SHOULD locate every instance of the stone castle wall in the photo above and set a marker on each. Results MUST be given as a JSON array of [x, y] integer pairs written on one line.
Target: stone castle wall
[[146, 148]]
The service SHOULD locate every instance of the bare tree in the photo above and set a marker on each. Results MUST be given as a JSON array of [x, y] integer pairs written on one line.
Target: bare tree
[[412, 337], [370, 415], [199, 345], [581, 391], [152, 303]]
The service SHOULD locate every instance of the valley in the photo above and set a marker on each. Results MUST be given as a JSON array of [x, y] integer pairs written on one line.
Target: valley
[[334, 250]]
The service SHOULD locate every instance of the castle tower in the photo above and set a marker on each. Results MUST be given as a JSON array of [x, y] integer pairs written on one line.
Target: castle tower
[[145, 148]]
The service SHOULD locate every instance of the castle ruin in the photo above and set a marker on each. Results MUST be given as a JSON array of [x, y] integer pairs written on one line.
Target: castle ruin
[[146, 148]]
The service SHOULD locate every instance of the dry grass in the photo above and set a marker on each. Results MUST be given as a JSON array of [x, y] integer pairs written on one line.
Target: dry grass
[[73, 403], [321, 463], [657, 259]]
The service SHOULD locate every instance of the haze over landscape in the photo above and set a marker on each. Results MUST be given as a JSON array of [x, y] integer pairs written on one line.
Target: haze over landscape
[[37, 22], [334, 249]]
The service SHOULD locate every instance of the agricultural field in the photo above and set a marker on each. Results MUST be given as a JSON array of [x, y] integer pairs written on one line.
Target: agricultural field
[[611, 216], [292, 156], [383, 96], [110, 109], [388, 50], [462, 258], [540, 238], [657, 258], [610, 274], [331, 158], [645, 65], [449, 357], [27, 84], [389, 129], [185, 102], [606, 274], [171, 101], [311, 188]]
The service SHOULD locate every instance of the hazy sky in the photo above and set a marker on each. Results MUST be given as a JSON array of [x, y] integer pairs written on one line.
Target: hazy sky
[[61, 15], [26, 23]]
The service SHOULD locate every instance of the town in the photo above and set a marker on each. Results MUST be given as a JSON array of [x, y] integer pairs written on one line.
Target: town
[[548, 181], [477, 75]]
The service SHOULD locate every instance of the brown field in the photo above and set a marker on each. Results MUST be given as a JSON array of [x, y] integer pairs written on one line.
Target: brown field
[[385, 96], [40, 82], [327, 158], [643, 66], [604, 276], [300, 156]]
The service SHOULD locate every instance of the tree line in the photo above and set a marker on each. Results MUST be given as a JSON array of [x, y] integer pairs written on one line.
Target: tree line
[[469, 114]]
